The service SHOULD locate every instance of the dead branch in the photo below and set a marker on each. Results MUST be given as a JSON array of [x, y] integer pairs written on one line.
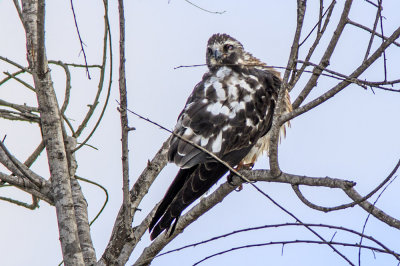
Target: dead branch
[[107, 42], [344, 206], [80, 38], [123, 94], [284, 225], [324, 62]]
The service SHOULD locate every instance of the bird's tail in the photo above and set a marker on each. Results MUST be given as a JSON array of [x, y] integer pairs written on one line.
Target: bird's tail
[[188, 185]]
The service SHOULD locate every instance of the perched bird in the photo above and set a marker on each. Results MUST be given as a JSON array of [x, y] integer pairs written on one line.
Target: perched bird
[[229, 113]]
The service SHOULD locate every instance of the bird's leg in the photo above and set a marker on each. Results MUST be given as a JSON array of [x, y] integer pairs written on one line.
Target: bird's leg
[[240, 166]]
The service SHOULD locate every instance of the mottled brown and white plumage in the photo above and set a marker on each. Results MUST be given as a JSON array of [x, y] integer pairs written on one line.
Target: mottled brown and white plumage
[[229, 113]]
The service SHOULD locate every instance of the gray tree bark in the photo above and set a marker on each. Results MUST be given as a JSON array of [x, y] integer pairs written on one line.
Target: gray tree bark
[[33, 18]]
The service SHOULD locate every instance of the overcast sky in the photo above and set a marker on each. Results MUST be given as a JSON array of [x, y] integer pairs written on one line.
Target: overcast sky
[[353, 136]]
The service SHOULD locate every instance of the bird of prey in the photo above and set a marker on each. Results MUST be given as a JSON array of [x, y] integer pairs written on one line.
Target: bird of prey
[[229, 113]]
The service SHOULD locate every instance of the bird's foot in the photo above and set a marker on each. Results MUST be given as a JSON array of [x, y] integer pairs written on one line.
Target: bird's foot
[[247, 166], [239, 167]]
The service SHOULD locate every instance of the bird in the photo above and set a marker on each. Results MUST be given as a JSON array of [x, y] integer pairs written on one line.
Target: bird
[[229, 113]]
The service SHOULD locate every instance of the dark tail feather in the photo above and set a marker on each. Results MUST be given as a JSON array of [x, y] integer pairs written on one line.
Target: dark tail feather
[[203, 177], [173, 189]]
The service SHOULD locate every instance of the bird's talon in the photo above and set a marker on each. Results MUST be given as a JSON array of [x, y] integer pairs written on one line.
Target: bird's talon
[[239, 188]]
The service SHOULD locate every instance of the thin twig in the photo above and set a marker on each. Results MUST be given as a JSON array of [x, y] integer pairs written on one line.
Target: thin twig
[[311, 50], [15, 64], [31, 206], [32, 158], [371, 39], [85, 66], [107, 39], [11, 76], [318, 24], [206, 10], [333, 74], [300, 241], [274, 226], [22, 108], [372, 3], [336, 89], [375, 211], [80, 39], [359, 82], [324, 62], [67, 86], [20, 168], [20, 81], [105, 192], [184, 66], [381, 24], [358, 25], [19, 11], [369, 214], [351, 204]]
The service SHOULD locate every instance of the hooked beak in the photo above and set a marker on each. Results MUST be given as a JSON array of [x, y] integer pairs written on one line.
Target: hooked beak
[[217, 55]]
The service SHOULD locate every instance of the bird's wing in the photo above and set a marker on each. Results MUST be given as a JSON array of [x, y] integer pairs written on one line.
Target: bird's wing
[[222, 115], [227, 124]]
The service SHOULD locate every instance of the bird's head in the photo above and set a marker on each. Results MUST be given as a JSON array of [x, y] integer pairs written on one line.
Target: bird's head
[[223, 50]]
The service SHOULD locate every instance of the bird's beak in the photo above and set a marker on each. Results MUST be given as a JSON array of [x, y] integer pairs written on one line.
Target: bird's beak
[[217, 54]]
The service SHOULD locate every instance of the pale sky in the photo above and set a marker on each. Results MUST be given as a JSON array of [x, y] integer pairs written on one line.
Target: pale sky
[[353, 136]]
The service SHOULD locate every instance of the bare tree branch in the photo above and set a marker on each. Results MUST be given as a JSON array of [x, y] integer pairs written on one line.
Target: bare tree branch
[[371, 40], [20, 81], [80, 207], [22, 108], [358, 25], [126, 206], [369, 214], [19, 11], [33, 15], [92, 107], [19, 116], [356, 73], [15, 64], [344, 206], [290, 242], [11, 76], [359, 82], [321, 31], [275, 128], [102, 188], [67, 84], [324, 62], [205, 10], [31, 206], [80, 39], [32, 158], [117, 242], [257, 175], [193, 214], [375, 211], [22, 184], [219, 194], [275, 226], [16, 167]]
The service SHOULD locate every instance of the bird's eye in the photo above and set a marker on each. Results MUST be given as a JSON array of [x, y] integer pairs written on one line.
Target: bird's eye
[[228, 47], [209, 51]]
